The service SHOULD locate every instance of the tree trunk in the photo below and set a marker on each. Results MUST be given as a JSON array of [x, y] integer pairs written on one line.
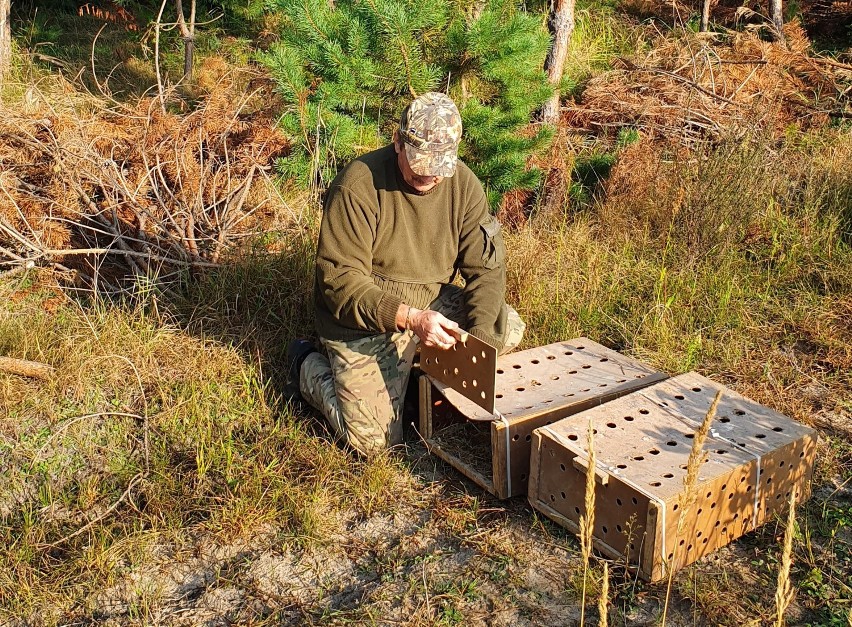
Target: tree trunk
[[187, 31], [705, 16], [5, 37], [776, 13], [188, 50], [561, 28]]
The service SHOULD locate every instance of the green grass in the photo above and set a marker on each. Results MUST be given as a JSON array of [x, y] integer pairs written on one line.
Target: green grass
[[212, 450]]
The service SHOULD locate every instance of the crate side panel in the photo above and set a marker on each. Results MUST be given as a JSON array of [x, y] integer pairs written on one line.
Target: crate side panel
[[621, 511], [720, 512], [464, 444], [785, 471]]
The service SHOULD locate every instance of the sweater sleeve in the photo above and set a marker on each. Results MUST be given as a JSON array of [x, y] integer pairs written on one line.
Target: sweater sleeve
[[344, 265], [482, 264]]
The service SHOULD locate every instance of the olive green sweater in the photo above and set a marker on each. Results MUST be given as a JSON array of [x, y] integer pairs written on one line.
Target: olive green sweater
[[382, 243]]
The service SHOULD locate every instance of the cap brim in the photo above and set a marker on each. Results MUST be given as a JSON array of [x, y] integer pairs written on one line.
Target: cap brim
[[429, 163]]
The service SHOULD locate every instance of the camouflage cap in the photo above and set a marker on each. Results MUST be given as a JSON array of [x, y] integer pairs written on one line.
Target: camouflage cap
[[430, 129]]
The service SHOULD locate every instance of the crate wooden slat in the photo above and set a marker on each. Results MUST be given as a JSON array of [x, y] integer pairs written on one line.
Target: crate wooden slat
[[534, 387], [755, 458]]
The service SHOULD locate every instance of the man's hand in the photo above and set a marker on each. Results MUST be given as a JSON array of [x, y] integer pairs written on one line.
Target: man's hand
[[433, 328]]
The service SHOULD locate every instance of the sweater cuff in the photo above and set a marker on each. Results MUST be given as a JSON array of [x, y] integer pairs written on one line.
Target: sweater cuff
[[386, 312], [487, 338]]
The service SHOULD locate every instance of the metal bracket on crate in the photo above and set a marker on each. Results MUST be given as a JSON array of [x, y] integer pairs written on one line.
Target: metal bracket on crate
[[469, 368]]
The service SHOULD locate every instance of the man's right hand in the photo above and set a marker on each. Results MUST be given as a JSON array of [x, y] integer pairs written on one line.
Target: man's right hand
[[433, 328]]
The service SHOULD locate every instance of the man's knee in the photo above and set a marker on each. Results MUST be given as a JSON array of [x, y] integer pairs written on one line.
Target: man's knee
[[370, 381], [367, 431]]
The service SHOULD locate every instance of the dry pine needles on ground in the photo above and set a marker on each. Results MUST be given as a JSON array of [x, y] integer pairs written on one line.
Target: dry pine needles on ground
[[132, 192], [692, 89]]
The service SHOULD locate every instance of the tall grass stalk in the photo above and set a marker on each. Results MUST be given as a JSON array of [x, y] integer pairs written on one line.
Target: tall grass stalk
[[587, 520], [783, 591], [603, 600], [687, 497]]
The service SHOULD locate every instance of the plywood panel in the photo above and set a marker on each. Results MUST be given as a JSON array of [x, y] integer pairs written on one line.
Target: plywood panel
[[469, 368]]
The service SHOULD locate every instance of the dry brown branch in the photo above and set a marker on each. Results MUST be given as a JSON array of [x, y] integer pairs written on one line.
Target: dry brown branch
[[684, 90], [24, 368], [135, 192], [655, 70]]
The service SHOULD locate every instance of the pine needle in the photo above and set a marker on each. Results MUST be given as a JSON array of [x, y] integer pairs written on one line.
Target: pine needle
[[783, 592]]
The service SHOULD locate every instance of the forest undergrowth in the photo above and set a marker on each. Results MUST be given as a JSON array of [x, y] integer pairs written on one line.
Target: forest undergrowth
[[158, 476]]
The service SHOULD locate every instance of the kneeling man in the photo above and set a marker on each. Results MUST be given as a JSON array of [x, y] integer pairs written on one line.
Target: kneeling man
[[398, 225]]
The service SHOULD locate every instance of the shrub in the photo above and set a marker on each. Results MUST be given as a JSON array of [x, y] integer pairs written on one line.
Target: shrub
[[347, 70]]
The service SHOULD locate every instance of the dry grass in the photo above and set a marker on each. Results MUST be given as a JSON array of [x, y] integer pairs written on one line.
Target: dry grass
[[148, 435], [603, 598], [162, 445], [732, 260], [587, 519], [783, 590]]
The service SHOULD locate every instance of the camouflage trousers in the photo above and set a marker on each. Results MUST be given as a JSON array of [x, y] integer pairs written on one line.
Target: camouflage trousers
[[360, 385]]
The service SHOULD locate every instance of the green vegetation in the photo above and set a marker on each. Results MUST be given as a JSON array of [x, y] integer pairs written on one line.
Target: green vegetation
[[347, 70]]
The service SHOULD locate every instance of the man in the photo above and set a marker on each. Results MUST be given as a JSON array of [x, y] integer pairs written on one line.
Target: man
[[398, 224]]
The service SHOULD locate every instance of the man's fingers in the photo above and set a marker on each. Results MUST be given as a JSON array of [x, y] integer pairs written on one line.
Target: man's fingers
[[444, 340], [438, 330], [440, 339]]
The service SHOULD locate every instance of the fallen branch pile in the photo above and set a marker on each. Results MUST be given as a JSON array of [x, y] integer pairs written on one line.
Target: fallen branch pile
[[122, 194], [690, 89]]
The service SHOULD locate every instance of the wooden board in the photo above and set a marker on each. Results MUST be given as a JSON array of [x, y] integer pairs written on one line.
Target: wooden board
[[469, 368]]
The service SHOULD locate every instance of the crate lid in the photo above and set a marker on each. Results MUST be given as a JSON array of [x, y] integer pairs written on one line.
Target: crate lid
[[575, 372], [647, 435]]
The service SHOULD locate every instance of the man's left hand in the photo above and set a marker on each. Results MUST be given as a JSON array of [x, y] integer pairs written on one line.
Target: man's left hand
[[433, 328]]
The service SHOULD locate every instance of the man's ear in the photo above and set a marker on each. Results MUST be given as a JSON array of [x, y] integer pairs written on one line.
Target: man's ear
[[397, 145]]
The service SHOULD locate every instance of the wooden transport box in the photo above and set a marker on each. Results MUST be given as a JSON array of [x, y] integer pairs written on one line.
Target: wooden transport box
[[755, 458], [534, 387]]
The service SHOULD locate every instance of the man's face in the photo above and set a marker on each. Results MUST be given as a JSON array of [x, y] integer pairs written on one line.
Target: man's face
[[420, 183]]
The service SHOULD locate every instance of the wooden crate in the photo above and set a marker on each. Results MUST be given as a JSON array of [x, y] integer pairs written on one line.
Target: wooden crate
[[533, 388], [755, 458]]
